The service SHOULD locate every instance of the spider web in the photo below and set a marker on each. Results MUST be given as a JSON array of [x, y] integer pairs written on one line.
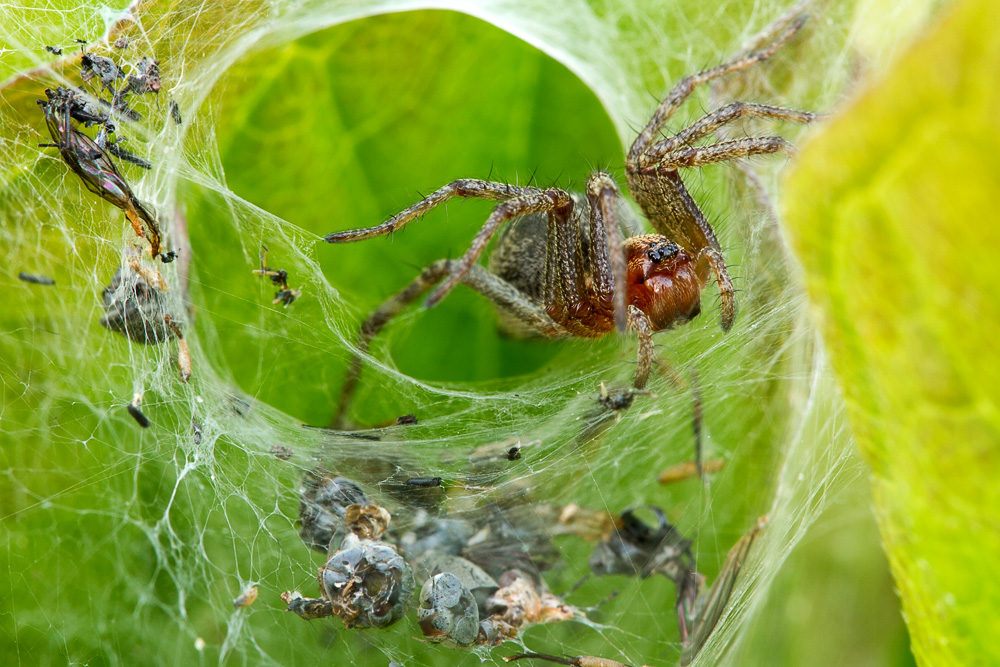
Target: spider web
[[126, 545]]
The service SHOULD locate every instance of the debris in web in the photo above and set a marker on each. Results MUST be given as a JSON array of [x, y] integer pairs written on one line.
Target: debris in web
[[89, 157], [35, 278], [688, 469], [285, 295], [183, 352], [135, 309], [246, 598], [137, 414], [175, 112]]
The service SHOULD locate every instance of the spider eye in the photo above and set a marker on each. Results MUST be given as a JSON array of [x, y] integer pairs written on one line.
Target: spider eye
[[662, 251]]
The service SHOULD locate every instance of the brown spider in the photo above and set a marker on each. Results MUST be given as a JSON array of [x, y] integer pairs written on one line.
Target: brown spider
[[562, 267]]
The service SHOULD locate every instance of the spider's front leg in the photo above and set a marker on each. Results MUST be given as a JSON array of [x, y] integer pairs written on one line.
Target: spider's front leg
[[639, 322], [652, 166], [727, 293]]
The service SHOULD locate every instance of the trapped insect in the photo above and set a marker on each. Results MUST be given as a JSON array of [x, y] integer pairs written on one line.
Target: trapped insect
[[364, 581], [634, 548], [424, 481], [285, 295], [561, 267], [246, 598], [175, 113], [91, 163], [147, 79], [137, 414], [35, 278]]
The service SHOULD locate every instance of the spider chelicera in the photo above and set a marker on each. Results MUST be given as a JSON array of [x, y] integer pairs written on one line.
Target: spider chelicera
[[563, 268]]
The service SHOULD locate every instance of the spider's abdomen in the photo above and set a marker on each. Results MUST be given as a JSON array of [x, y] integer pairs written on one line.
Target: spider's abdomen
[[662, 280]]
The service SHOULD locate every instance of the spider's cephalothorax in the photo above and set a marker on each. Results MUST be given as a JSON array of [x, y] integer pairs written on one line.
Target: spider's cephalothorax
[[663, 280], [563, 266]]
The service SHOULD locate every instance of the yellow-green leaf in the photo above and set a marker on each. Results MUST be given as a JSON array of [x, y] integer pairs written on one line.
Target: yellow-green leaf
[[893, 214]]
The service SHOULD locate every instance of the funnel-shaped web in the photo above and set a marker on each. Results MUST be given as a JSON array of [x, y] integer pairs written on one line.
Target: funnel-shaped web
[[128, 545]]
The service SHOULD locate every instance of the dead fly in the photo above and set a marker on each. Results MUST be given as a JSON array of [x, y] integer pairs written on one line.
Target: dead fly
[[34, 278], [323, 503], [279, 277], [89, 161], [406, 420], [482, 579], [246, 598], [487, 456], [183, 353], [619, 400], [56, 51], [121, 43], [137, 415], [175, 112], [92, 111]]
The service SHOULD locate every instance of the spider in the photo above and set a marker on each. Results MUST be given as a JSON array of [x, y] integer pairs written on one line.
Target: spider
[[562, 267]]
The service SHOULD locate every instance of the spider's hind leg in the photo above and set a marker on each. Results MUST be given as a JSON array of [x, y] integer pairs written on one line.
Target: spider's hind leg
[[504, 295]]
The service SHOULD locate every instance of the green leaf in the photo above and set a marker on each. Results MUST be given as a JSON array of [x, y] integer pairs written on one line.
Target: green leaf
[[892, 212]]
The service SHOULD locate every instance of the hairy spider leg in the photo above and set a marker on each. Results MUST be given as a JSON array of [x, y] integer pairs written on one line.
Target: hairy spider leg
[[683, 88], [493, 287], [664, 151], [651, 169], [467, 188], [554, 201], [515, 201], [640, 324], [608, 258]]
